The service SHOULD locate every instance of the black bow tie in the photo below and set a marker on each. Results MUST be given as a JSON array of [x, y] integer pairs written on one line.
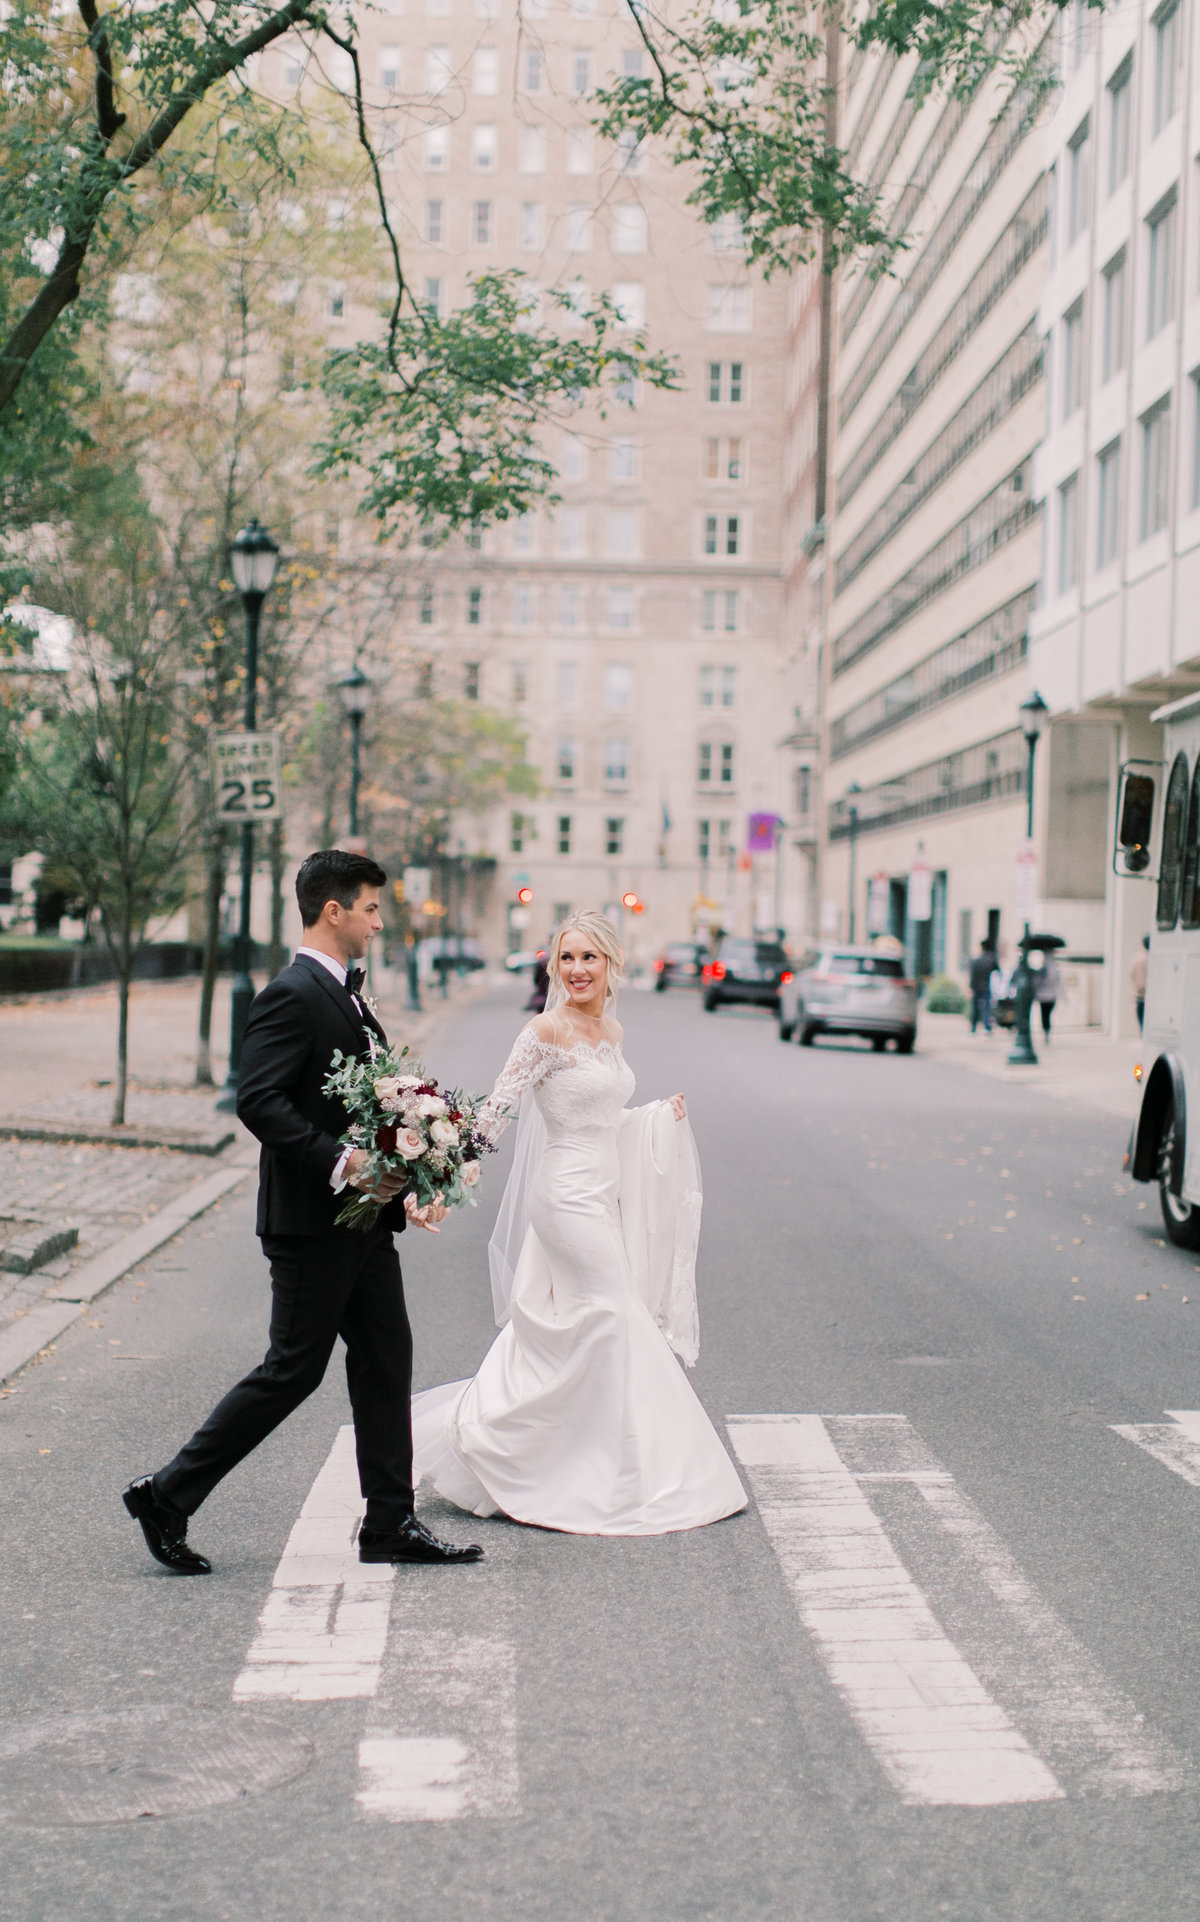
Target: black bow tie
[[354, 979]]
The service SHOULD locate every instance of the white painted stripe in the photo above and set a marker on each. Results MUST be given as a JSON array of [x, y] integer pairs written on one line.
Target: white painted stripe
[[936, 1731], [1174, 1443], [970, 1689], [322, 1634]]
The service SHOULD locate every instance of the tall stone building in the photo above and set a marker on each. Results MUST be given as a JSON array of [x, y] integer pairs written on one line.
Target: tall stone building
[[932, 542], [635, 629], [1117, 633]]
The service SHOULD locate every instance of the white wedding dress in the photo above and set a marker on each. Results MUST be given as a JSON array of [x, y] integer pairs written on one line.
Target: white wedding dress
[[580, 1417]]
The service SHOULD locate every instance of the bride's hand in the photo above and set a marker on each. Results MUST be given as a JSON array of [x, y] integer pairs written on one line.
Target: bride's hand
[[679, 1107], [426, 1217]]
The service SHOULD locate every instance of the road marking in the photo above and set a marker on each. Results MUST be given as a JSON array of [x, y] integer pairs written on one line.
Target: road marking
[[1174, 1443], [322, 1634], [969, 1689]]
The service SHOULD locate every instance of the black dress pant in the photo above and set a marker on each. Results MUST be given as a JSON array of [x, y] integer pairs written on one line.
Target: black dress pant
[[322, 1286]]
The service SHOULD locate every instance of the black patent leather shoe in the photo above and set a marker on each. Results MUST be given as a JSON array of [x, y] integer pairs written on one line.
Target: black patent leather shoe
[[165, 1530], [411, 1542]]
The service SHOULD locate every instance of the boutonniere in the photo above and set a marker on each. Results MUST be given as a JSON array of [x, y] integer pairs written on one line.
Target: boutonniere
[[370, 1004]]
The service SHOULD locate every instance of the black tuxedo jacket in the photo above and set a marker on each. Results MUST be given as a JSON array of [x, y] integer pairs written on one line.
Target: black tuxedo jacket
[[294, 1027]]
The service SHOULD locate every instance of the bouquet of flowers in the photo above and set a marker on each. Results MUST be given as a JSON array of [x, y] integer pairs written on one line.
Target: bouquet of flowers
[[404, 1121]]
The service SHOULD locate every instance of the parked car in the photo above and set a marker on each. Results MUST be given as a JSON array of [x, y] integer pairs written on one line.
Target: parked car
[[680, 965], [743, 970], [449, 952], [844, 990]]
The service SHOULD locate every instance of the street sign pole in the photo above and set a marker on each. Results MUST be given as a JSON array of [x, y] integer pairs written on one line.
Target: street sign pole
[[243, 984]]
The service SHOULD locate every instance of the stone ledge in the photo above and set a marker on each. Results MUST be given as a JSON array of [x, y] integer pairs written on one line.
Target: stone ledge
[[187, 1141], [31, 1244]]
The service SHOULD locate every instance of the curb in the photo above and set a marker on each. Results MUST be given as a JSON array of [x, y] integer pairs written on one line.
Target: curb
[[183, 1140], [24, 1341]]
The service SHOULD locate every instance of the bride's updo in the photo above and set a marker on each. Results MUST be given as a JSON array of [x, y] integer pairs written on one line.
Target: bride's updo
[[599, 930]]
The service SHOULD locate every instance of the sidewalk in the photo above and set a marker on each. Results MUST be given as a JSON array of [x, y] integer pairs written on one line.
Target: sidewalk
[[56, 1063], [1078, 1065]]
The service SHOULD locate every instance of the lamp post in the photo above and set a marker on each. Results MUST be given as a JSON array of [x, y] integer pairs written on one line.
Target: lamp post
[[1022, 1056], [253, 557], [355, 691], [852, 794]]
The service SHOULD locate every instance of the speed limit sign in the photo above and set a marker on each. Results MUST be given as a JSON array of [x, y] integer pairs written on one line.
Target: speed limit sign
[[247, 777]]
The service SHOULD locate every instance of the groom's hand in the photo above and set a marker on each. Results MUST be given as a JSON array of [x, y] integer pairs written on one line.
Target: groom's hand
[[382, 1187]]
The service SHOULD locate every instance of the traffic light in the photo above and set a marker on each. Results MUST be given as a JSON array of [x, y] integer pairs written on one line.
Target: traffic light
[[629, 901], [524, 896]]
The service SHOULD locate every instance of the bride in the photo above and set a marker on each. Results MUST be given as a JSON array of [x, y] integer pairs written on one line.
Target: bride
[[580, 1417]]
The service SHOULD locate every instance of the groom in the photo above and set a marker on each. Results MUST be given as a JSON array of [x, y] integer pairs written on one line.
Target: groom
[[325, 1281]]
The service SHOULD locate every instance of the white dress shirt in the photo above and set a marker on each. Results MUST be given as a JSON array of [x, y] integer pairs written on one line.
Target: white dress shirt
[[337, 1179]]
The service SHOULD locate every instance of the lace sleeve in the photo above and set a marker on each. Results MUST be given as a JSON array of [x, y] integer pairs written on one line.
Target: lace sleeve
[[530, 1062]]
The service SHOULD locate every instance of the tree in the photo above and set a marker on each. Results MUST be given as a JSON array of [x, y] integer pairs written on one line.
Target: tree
[[102, 776]]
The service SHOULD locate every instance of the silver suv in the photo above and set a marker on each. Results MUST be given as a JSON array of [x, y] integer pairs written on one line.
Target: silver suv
[[844, 990]]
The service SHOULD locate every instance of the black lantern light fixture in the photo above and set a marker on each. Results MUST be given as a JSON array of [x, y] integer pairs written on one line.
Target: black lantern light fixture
[[1033, 711], [355, 691]]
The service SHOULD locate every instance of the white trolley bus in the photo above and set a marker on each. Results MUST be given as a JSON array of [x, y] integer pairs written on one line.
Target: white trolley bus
[[1165, 1145]]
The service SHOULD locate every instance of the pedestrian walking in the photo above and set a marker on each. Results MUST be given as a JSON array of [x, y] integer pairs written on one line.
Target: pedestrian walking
[[982, 969], [1047, 986], [1137, 981]]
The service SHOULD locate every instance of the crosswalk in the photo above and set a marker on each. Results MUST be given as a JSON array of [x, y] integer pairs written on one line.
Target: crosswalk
[[963, 1683]]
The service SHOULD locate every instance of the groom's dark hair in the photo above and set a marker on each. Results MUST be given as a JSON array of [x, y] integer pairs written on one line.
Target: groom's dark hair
[[333, 875]]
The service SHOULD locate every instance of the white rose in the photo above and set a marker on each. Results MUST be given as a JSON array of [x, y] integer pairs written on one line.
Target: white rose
[[387, 1087], [445, 1134], [431, 1104], [408, 1081], [469, 1173], [409, 1144]]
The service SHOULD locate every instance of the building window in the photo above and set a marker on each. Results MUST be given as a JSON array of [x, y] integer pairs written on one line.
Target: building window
[[623, 460], [563, 834], [1072, 360], [714, 763], [579, 230], [581, 74], [564, 761], [520, 683], [571, 525], [337, 302], [629, 229], [481, 223], [517, 829], [567, 684], [579, 150], [616, 761], [533, 225], [1166, 66], [1068, 534], [629, 299], [633, 63], [471, 672], [723, 535], [723, 459], [726, 382], [1156, 439], [630, 158], [623, 533], [1078, 170], [437, 150], [389, 68], [426, 607], [1120, 99], [485, 70], [718, 686], [533, 150], [522, 605], [1112, 344], [474, 606], [437, 69], [802, 792], [435, 222], [727, 310], [614, 835], [524, 534], [703, 840], [620, 610], [1160, 266], [618, 685], [719, 610], [569, 605], [1108, 503], [433, 295], [485, 149], [424, 680], [535, 69]]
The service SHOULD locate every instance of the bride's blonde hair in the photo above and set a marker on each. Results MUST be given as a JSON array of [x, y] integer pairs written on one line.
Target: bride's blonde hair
[[599, 930]]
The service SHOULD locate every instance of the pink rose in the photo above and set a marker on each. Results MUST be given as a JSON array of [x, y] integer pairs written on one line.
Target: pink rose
[[409, 1144], [444, 1134], [469, 1173]]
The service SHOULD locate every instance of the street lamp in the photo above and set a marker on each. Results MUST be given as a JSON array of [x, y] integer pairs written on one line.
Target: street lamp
[[1032, 709], [355, 691], [852, 794], [253, 557]]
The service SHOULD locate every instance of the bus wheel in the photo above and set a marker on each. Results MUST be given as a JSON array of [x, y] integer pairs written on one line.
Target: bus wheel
[[1180, 1219]]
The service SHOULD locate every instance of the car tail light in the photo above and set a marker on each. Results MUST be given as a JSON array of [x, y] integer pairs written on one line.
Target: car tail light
[[785, 977], [717, 971], [659, 966]]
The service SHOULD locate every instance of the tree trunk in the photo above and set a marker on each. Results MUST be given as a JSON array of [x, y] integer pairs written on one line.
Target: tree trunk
[[213, 892], [275, 956], [125, 968]]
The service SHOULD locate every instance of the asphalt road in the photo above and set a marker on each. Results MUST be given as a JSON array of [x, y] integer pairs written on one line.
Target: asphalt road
[[883, 1236]]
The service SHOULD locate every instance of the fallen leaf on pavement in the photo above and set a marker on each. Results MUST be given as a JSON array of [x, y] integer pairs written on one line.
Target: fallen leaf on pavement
[[1141, 1298]]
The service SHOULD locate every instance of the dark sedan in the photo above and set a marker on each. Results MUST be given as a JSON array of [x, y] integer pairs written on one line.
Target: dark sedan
[[745, 970], [681, 965]]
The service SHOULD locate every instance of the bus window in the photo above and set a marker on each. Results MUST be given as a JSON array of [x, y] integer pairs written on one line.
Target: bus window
[[1190, 909], [1170, 873]]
